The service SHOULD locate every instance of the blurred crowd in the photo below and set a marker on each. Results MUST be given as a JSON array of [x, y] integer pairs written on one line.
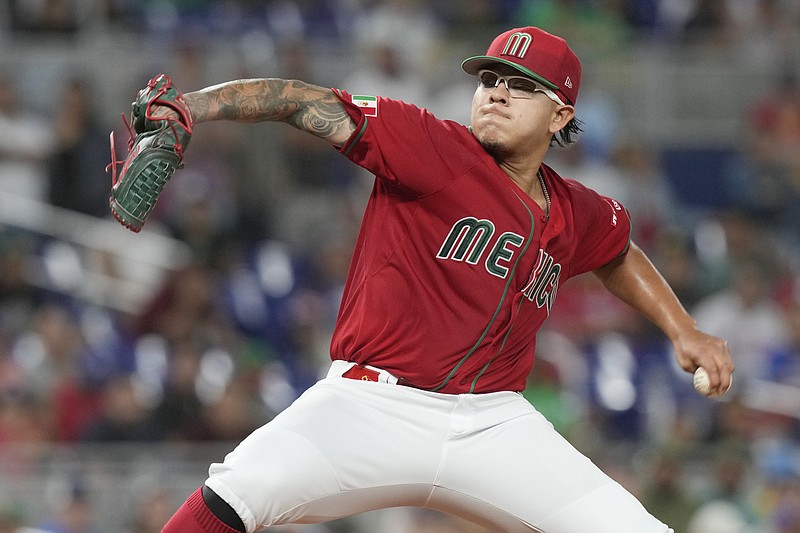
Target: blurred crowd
[[270, 215]]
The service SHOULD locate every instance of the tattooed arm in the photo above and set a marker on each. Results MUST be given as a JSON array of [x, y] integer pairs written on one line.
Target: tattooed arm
[[306, 107]]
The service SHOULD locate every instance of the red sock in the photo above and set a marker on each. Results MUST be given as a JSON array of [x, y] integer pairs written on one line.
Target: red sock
[[195, 517]]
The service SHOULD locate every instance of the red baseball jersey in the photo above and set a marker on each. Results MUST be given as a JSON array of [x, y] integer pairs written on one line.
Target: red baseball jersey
[[455, 267]]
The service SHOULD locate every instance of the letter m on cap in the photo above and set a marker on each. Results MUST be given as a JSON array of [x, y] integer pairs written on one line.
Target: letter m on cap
[[517, 44]]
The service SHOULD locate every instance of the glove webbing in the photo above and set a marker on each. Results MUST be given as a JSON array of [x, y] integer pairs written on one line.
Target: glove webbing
[[146, 189], [141, 198]]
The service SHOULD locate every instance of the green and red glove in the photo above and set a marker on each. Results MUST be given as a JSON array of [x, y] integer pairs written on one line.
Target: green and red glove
[[155, 152]]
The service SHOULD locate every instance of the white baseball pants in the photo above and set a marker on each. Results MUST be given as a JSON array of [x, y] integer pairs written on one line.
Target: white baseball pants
[[346, 447]]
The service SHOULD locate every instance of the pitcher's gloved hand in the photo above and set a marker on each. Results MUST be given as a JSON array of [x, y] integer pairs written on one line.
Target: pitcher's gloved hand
[[155, 151]]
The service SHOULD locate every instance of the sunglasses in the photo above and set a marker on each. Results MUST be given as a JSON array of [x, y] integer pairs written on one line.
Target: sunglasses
[[517, 86]]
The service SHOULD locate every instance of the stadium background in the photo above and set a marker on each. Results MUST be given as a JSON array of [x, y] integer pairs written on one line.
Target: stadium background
[[129, 362]]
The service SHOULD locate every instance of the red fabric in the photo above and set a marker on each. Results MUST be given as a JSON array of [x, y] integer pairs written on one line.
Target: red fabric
[[361, 373], [195, 517], [455, 267]]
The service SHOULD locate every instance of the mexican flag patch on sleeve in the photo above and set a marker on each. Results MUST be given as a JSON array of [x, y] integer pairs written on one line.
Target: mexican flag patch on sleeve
[[368, 104]]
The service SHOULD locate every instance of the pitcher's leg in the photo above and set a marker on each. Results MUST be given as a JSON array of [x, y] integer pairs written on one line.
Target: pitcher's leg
[[344, 447], [521, 474]]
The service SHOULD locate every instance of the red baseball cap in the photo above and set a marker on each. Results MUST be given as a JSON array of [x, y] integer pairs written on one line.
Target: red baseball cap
[[543, 56]]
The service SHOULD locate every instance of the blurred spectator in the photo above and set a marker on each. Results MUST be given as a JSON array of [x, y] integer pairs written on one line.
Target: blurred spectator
[[50, 16], [546, 392], [446, 101], [18, 297], [314, 181], [123, 417], [647, 193], [310, 161], [766, 31], [731, 472], [735, 420], [26, 143], [408, 30], [385, 71], [584, 312], [717, 517], [309, 334], [51, 355], [777, 500], [234, 415], [201, 206], [200, 209], [152, 510], [25, 430], [77, 178], [727, 508], [118, 13], [664, 493], [746, 315], [644, 16], [783, 361], [774, 121], [787, 512], [594, 171], [709, 24], [725, 239], [72, 510], [178, 414], [184, 308], [775, 118], [672, 252], [667, 18], [275, 389], [601, 121]]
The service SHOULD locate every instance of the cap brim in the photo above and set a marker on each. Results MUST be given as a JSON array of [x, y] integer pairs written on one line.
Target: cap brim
[[472, 65]]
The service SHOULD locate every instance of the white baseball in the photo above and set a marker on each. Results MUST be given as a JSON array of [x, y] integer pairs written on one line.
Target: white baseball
[[701, 381]]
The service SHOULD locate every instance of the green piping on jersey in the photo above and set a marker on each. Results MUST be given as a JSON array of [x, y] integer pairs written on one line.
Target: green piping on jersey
[[357, 138], [505, 337], [494, 316], [502, 345]]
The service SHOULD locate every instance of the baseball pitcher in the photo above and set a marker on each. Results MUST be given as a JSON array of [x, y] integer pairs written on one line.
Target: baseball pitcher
[[465, 240]]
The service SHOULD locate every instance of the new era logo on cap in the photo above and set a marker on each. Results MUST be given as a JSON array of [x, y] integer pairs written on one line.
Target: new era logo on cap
[[536, 53]]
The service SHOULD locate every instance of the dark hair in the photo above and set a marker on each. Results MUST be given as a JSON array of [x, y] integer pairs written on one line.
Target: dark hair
[[565, 136]]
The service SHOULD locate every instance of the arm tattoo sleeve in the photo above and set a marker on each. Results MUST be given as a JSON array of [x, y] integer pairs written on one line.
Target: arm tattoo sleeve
[[306, 107]]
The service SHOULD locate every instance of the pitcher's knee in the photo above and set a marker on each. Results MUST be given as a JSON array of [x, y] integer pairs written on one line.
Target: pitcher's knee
[[222, 510]]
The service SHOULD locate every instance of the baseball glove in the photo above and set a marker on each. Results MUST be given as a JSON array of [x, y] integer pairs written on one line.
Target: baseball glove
[[155, 151]]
